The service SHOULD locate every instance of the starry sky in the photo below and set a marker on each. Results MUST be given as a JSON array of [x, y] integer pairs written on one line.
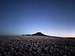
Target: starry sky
[[51, 17]]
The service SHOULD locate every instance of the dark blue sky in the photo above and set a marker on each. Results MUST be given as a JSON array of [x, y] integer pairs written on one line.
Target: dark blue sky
[[52, 17]]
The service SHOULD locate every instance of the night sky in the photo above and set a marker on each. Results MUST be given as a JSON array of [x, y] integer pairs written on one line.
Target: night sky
[[51, 17]]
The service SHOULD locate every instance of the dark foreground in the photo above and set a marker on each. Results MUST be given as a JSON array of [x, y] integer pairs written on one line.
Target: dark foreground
[[44, 47]]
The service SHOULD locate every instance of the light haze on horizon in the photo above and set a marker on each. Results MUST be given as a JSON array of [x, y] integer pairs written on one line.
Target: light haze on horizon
[[51, 17]]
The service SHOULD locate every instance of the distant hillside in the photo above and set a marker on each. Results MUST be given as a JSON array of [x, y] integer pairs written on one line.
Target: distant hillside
[[35, 34], [38, 34]]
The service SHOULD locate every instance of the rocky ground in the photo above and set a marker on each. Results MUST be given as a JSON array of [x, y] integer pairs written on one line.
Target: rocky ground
[[42, 47]]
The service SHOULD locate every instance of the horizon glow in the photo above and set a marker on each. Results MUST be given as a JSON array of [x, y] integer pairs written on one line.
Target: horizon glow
[[51, 17]]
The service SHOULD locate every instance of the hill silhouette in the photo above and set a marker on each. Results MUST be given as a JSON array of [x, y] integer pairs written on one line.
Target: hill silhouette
[[41, 34], [38, 34]]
